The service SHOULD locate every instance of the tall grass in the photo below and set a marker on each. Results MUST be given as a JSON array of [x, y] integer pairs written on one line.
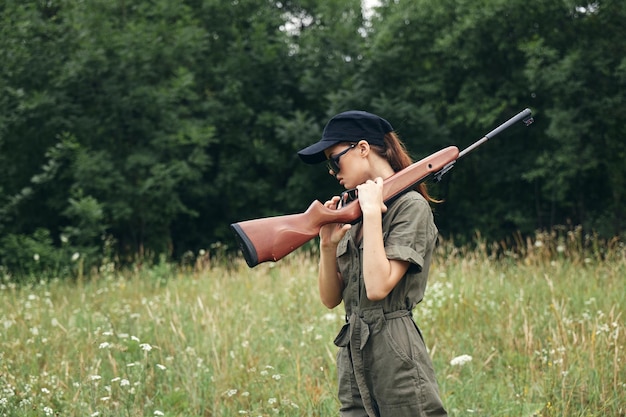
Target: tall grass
[[538, 332]]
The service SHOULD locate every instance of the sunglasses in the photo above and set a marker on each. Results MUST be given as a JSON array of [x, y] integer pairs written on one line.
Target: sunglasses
[[333, 161]]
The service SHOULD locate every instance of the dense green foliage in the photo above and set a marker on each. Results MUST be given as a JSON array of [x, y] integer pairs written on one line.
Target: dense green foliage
[[132, 129]]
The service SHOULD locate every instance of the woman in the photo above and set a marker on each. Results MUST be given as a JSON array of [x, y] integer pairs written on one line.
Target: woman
[[378, 268]]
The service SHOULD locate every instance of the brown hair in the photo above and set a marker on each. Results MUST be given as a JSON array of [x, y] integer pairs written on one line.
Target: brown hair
[[398, 157]]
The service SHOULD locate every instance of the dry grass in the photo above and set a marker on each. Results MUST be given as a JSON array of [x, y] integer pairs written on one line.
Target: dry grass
[[544, 328]]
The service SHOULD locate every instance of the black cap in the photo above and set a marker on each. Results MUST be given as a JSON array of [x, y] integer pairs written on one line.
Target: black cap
[[349, 126]]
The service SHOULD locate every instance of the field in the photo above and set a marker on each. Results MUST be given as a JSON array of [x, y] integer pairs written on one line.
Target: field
[[538, 332]]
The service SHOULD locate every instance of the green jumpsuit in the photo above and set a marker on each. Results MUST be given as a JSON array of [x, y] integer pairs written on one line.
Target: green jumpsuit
[[383, 366]]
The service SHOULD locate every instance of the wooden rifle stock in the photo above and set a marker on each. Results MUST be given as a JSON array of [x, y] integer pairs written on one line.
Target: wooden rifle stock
[[272, 238]]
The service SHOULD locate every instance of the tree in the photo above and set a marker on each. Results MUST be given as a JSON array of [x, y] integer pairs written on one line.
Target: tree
[[465, 67], [156, 125], [580, 78]]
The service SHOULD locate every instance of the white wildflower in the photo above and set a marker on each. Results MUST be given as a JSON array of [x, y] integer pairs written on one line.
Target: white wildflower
[[161, 367], [158, 413], [104, 345], [36, 257], [146, 346], [75, 256], [124, 383], [460, 360], [272, 401], [330, 317]]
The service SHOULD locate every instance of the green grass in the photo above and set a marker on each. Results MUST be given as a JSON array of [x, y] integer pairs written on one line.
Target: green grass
[[544, 327]]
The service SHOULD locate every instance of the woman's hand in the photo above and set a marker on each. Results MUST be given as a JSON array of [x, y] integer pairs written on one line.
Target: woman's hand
[[371, 196], [331, 234]]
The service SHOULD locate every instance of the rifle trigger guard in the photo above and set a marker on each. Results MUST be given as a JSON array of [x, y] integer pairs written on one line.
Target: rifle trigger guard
[[347, 197]]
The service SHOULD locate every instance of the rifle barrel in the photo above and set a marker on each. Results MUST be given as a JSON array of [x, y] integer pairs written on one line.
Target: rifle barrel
[[524, 115]]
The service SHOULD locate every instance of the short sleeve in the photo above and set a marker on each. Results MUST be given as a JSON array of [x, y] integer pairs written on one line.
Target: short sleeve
[[409, 229]]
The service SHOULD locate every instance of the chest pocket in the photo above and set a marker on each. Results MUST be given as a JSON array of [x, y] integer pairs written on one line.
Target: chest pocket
[[344, 263]]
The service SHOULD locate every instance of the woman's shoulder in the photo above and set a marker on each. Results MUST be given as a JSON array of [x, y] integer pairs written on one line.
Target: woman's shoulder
[[410, 197], [410, 212], [410, 203]]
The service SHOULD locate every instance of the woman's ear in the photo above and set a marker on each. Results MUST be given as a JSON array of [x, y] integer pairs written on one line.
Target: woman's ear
[[363, 147]]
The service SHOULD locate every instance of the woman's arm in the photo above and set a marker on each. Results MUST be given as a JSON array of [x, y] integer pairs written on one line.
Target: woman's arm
[[380, 274], [329, 279]]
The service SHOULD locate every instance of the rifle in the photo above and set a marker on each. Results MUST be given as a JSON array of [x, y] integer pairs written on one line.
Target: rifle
[[272, 238]]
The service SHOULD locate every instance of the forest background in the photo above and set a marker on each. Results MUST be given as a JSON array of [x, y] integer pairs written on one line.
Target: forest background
[[132, 131]]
